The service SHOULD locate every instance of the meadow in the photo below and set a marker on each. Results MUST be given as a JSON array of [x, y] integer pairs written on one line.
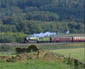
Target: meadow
[[34, 64], [77, 53], [74, 50]]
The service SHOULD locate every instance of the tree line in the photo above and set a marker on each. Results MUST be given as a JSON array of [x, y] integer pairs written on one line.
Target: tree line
[[34, 16]]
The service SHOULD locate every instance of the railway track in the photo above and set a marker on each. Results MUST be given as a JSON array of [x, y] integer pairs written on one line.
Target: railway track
[[26, 44]]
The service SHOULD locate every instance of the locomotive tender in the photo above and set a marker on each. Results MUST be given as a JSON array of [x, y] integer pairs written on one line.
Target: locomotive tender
[[57, 38]]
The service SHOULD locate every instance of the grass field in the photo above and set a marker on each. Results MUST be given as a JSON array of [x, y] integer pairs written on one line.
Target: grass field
[[75, 50], [7, 54], [77, 53], [34, 64]]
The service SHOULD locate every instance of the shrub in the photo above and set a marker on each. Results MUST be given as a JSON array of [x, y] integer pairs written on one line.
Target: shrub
[[5, 48], [6, 37]]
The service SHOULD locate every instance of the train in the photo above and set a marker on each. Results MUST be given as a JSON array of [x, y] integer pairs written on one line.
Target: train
[[57, 38]]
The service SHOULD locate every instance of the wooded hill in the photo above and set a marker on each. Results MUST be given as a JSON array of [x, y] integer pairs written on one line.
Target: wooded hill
[[33, 16]]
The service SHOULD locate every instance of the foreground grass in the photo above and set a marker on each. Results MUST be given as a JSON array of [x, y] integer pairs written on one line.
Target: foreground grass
[[77, 53], [34, 64], [75, 50]]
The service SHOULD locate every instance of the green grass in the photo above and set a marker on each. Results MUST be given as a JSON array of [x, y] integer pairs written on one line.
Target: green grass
[[7, 54], [77, 53], [75, 50], [54, 46], [34, 64]]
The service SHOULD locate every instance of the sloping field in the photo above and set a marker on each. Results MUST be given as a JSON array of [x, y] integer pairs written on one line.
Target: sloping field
[[77, 53]]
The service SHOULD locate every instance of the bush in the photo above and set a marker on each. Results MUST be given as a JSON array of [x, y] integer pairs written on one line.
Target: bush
[[31, 48], [5, 48], [7, 37]]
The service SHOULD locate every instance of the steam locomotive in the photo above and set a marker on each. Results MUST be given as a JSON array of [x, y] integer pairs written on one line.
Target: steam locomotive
[[57, 38]]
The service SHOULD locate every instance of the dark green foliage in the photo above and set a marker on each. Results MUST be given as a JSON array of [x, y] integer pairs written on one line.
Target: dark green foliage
[[20, 50], [12, 37], [31, 48], [5, 48], [67, 9], [12, 59], [33, 16]]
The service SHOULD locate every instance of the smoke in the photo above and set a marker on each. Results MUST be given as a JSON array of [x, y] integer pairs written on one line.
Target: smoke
[[44, 34]]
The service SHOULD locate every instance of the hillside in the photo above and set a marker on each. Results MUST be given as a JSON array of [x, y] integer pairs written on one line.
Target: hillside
[[32, 16]]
